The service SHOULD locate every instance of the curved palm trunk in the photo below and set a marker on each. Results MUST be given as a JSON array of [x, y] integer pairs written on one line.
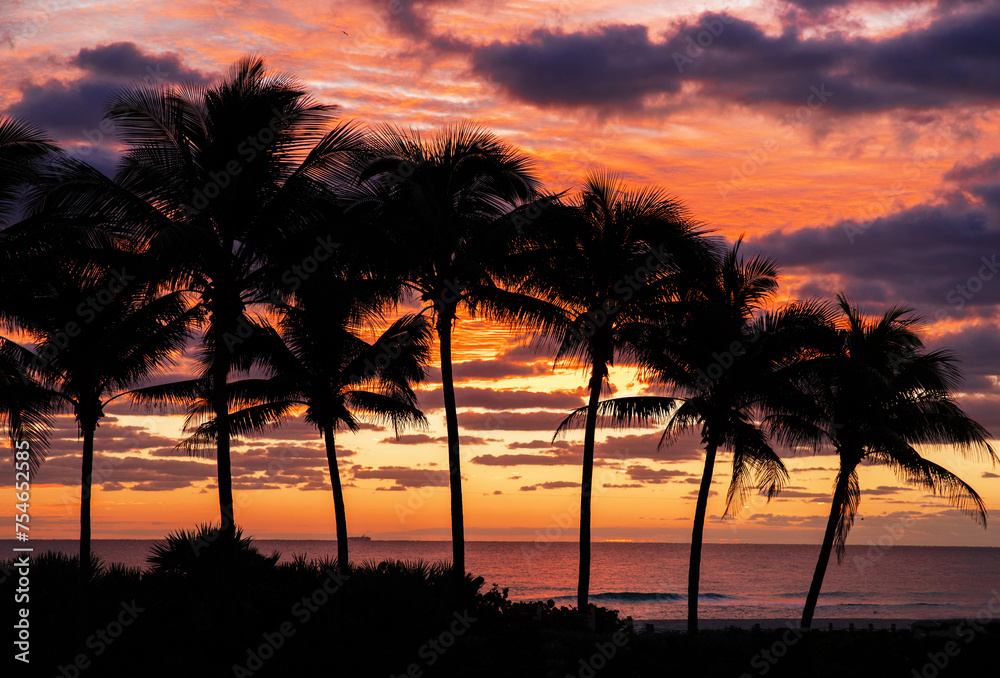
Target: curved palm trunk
[[339, 509], [694, 564], [586, 486], [86, 484], [839, 494], [445, 317], [220, 407]]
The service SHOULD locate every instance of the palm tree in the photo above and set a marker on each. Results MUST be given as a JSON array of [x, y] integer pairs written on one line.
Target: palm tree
[[876, 396], [442, 208], [606, 263], [86, 359], [213, 185], [728, 362], [316, 359]]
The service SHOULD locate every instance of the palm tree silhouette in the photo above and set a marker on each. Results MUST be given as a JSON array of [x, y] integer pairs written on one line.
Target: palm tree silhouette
[[875, 397], [730, 362], [316, 359], [442, 208], [124, 336], [606, 263], [212, 185], [71, 284]]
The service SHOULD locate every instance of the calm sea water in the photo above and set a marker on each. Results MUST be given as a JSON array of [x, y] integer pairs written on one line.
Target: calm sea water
[[648, 581]]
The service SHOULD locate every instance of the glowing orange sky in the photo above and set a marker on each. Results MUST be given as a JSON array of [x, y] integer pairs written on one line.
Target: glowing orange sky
[[732, 163]]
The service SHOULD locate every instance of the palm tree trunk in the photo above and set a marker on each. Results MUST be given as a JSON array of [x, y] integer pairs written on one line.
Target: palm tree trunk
[[445, 317], [220, 407], [86, 485], [839, 494], [339, 509], [586, 485], [694, 565]]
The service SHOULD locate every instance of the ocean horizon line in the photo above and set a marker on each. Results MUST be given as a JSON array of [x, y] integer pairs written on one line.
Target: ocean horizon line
[[516, 541]]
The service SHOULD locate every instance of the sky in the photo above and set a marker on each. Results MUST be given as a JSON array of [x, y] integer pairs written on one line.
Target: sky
[[853, 141]]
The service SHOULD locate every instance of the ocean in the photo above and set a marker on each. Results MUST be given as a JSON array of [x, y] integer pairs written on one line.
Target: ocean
[[649, 580]]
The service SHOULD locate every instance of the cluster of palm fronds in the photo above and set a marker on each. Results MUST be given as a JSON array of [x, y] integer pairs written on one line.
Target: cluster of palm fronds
[[284, 269]]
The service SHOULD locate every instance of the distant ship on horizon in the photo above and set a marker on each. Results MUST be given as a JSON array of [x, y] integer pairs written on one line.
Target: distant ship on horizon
[[360, 537]]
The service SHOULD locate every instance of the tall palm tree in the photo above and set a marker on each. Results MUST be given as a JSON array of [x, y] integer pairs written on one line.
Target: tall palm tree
[[86, 359], [212, 185], [316, 361], [728, 362], [876, 396], [442, 208], [607, 262]]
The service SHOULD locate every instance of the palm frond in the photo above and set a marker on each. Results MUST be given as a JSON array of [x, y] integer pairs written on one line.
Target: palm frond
[[385, 410], [847, 509], [755, 466], [915, 470], [22, 148], [251, 421]]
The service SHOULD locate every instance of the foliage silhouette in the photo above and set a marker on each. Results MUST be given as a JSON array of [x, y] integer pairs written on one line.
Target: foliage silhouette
[[316, 360], [874, 397], [84, 361], [211, 184], [443, 206], [606, 265], [729, 363]]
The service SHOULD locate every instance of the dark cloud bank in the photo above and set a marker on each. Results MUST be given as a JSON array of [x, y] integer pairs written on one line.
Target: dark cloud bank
[[952, 61], [73, 111]]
